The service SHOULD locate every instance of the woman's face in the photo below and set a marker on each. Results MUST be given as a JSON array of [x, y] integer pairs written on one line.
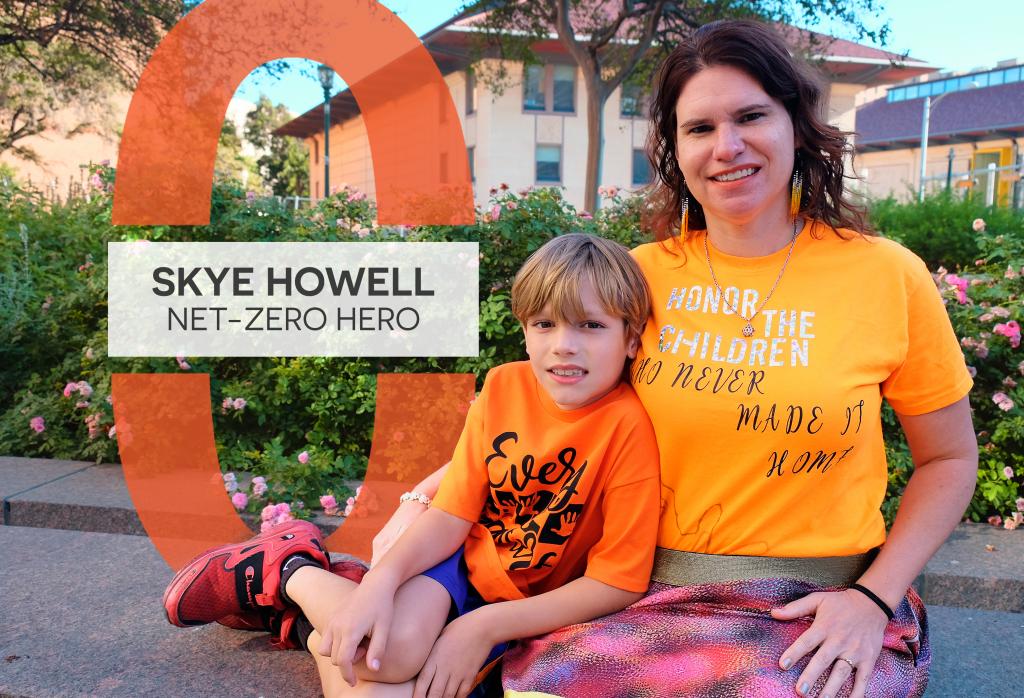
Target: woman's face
[[734, 145]]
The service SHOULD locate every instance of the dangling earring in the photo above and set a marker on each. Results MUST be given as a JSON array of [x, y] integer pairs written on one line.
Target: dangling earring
[[684, 218], [796, 192]]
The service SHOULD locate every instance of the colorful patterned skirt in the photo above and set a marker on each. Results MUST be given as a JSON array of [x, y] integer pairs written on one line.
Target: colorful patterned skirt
[[704, 641]]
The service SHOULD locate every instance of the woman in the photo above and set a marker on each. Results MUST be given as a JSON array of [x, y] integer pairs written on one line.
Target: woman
[[780, 322]]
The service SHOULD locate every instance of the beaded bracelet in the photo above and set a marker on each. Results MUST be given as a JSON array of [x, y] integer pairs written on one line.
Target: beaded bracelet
[[874, 597], [415, 497]]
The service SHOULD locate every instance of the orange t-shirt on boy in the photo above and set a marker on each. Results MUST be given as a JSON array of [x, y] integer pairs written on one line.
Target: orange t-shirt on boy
[[553, 494]]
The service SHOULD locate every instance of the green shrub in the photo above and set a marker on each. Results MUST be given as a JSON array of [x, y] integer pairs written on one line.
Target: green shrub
[[939, 228], [53, 317]]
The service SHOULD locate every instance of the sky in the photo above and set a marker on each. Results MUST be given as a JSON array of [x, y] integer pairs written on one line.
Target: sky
[[949, 34]]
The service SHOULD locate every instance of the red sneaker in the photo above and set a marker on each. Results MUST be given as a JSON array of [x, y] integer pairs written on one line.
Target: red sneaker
[[279, 623], [240, 578]]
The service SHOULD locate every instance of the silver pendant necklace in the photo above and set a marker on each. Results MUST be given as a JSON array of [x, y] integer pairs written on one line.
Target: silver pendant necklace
[[748, 328]]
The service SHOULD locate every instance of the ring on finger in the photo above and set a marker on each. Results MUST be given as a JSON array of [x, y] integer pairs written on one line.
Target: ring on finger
[[853, 667]]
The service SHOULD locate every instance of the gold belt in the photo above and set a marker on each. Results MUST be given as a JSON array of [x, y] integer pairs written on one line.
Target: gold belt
[[683, 569]]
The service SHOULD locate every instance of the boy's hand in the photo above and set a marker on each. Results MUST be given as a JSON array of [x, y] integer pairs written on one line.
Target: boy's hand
[[455, 660], [367, 614]]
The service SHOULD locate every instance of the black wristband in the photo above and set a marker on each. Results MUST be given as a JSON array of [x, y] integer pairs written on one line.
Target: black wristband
[[874, 597]]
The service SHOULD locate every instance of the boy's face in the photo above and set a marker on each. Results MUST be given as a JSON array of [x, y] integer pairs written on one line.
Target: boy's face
[[578, 362]]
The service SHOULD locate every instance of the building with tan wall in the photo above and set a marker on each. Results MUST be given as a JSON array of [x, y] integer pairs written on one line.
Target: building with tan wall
[[975, 127], [534, 133]]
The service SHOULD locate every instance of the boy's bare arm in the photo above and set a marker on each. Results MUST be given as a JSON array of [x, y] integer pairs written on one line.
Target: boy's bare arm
[[578, 601], [405, 515], [368, 612], [464, 644], [431, 538]]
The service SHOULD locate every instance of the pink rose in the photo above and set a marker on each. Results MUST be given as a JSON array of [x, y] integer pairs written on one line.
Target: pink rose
[[1004, 403], [358, 196], [304, 457], [112, 432], [1011, 273], [250, 196], [259, 486], [329, 504], [38, 424], [70, 388], [240, 403], [362, 233], [495, 212], [240, 500], [1020, 503], [995, 520], [1008, 472], [283, 509], [978, 225], [268, 512], [1010, 330], [266, 526], [511, 205], [84, 388], [89, 353]]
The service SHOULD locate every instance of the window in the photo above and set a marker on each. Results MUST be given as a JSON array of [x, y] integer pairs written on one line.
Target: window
[[550, 88], [316, 152], [470, 92], [965, 83], [471, 155], [630, 101], [1013, 74], [533, 89], [564, 88], [982, 80], [641, 168], [911, 92], [549, 163], [317, 191]]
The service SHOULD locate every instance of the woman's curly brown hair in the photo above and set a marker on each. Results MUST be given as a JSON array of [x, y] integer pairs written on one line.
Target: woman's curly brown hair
[[759, 52]]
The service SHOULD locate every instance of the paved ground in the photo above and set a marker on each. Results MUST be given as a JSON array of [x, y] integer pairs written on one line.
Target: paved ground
[[80, 611]]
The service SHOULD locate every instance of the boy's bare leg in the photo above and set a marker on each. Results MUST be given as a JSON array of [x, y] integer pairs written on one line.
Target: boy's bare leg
[[318, 592], [335, 687], [421, 610]]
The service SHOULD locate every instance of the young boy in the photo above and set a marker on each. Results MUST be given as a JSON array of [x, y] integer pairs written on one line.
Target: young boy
[[547, 514]]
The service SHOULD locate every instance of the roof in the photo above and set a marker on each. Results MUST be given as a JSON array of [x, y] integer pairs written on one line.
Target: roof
[[969, 115], [450, 45]]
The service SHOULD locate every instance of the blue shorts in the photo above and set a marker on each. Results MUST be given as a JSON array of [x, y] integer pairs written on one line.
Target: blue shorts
[[453, 575]]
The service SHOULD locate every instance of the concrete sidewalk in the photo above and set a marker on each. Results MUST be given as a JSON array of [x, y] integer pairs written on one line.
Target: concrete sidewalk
[[80, 611]]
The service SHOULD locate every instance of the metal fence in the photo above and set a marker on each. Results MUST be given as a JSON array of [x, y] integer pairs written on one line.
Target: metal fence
[[984, 180]]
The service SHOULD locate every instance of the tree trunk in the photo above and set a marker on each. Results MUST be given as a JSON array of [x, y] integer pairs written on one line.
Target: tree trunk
[[595, 140]]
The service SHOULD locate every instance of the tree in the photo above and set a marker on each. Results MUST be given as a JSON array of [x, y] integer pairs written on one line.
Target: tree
[[56, 53], [617, 40], [283, 162]]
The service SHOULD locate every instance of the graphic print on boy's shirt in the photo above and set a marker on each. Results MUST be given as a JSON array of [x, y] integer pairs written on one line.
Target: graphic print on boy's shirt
[[781, 449], [533, 507]]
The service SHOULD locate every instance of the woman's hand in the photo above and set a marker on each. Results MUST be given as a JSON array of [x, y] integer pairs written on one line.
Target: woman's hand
[[366, 614], [455, 660], [847, 626], [406, 513]]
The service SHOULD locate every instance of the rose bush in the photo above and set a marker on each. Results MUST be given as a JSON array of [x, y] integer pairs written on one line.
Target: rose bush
[[301, 427]]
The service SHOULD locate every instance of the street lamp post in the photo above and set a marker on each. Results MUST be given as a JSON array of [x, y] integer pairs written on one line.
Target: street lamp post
[[926, 116], [326, 80]]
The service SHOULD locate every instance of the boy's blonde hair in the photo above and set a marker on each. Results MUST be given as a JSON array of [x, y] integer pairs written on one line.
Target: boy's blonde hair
[[557, 271]]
